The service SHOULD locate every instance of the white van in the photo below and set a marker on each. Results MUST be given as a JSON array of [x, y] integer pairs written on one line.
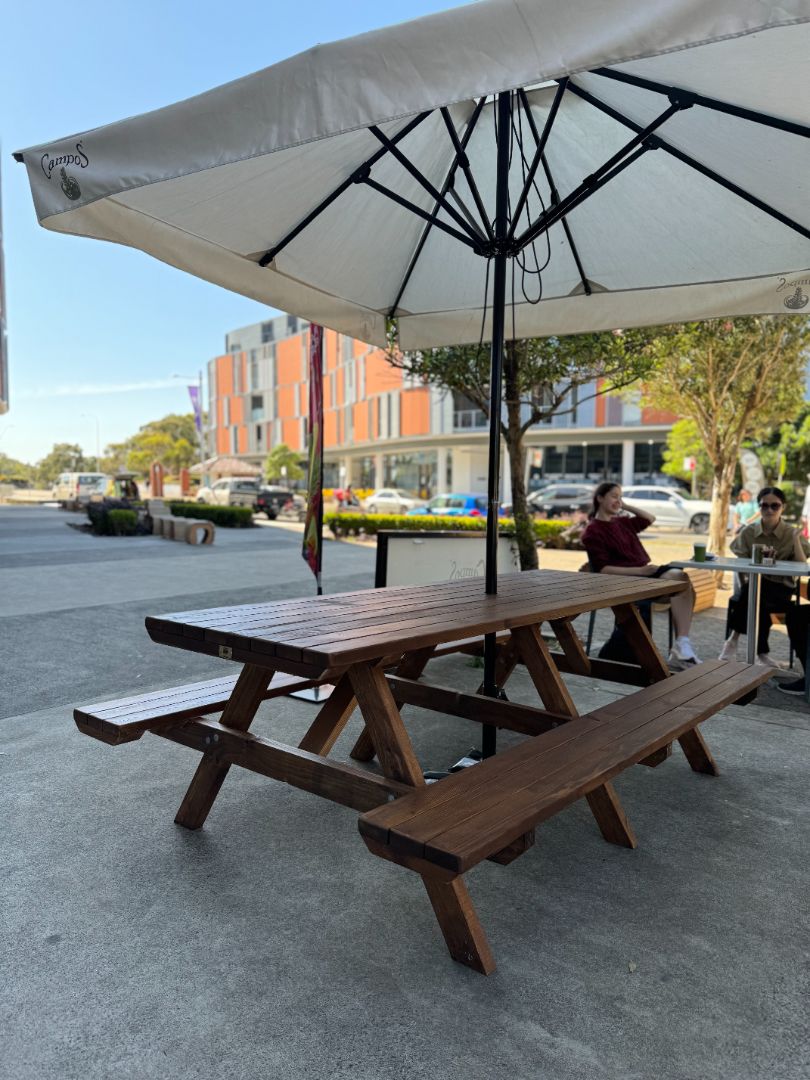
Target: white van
[[76, 489]]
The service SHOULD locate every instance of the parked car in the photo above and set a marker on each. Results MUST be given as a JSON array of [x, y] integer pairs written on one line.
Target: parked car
[[230, 491], [561, 500], [270, 501], [671, 506], [463, 505], [77, 489], [391, 501]]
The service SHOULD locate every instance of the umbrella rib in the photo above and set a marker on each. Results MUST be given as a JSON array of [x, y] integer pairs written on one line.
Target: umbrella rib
[[605, 172], [419, 212], [707, 102], [356, 177], [686, 159], [448, 183], [541, 141], [581, 194], [555, 195], [463, 162], [475, 234]]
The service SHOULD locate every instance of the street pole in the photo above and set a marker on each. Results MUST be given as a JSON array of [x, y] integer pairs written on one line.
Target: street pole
[[201, 432]]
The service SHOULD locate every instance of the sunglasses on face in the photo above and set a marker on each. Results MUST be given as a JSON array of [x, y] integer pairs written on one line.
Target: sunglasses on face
[[770, 506]]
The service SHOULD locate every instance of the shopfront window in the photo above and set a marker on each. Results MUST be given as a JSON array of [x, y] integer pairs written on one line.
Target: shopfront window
[[415, 473]]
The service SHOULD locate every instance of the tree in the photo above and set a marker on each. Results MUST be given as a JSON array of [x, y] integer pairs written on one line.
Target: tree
[[173, 441], [683, 442], [13, 471], [785, 454], [283, 463], [540, 377], [146, 447], [735, 379], [64, 457]]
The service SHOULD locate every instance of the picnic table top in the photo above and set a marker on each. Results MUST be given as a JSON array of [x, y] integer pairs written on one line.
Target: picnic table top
[[332, 632]]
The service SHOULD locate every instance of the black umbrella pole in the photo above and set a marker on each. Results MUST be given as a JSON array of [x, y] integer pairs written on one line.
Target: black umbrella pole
[[490, 687]]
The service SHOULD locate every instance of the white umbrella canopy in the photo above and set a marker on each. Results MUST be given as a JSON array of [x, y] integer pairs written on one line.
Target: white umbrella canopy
[[707, 214]]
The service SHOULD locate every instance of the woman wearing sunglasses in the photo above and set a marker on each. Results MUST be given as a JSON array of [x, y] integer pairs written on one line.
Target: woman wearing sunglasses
[[775, 595]]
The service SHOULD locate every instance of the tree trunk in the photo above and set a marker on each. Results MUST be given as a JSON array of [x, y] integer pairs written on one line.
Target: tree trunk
[[721, 499], [524, 527]]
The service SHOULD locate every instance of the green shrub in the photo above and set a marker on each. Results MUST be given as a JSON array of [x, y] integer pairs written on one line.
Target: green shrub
[[228, 517], [122, 522], [371, 524]]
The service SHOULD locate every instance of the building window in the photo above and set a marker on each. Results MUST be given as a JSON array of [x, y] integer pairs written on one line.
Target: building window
[[268, 332], [259, 435], [254, 369], [226, 412], [292, 324], [237, 374], [257, 407]]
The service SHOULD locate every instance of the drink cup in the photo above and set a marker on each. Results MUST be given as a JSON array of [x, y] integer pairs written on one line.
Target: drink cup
[[700, 553], [757, 553]]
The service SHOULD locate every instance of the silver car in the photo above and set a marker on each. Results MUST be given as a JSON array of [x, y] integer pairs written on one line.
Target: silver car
[[230, 491], [670, 506], [391, 501]]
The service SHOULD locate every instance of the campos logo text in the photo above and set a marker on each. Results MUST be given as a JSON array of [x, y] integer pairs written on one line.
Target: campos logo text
[[68, 183], [797, 299]]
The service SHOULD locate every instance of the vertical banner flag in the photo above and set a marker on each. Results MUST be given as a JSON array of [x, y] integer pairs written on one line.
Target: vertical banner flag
[[313, 527], [196, 404]]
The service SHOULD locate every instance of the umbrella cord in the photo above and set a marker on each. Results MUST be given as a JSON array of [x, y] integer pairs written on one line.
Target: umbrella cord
[[526, 270]]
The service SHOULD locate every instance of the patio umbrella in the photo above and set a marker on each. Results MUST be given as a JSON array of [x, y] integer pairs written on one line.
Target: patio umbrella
[[509, 168]]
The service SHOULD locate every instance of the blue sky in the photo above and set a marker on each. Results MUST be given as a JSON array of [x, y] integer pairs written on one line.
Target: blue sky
[[96, 331]]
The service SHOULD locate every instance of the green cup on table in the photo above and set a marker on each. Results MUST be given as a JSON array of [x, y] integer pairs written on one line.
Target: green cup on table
[[700, 553]]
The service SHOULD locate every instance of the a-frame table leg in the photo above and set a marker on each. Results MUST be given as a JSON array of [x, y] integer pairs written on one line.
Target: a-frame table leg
[[238, 714], [697, 753], [457, 918], [410, 667], [603, 801], [610, 817], [331, 719]]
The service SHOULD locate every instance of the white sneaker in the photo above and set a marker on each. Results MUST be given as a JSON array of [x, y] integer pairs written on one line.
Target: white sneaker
[[682, 652], [764, 660], [729, 650]]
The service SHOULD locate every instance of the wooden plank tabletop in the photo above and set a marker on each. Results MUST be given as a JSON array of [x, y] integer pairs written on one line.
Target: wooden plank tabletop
[[331, 632]]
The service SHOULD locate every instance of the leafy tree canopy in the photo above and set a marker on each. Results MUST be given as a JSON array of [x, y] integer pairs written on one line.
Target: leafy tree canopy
[[735, 379], [282, 457], [541, 378], [64, 457], [684, 441]]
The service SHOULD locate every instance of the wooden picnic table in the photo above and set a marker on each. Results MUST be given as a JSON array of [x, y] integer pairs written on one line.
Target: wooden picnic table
[[374, 645]]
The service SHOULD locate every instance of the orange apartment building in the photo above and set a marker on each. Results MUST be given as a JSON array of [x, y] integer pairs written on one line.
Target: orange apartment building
[[381, 430]]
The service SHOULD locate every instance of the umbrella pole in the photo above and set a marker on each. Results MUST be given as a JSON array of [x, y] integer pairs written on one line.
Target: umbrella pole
[[490, 687]]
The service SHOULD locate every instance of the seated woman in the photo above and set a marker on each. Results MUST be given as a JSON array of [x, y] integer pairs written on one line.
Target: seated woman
[[775, 593], [611, 540]]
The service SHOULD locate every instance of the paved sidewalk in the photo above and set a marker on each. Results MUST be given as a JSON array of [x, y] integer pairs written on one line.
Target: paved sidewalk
[[271, 944]]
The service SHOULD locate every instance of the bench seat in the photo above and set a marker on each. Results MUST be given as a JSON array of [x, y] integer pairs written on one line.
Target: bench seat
[[126, 719], [472, 815]]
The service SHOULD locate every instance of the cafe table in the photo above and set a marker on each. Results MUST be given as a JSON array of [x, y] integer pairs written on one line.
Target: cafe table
[[783, 568]]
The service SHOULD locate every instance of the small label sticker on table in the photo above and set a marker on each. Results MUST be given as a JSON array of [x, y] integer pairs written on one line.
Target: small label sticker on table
[[226, 652]]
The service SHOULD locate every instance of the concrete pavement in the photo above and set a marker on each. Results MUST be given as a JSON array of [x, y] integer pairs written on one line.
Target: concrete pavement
[[271, 944]]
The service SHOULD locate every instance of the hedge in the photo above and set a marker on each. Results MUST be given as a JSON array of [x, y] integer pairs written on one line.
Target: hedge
[[371, 524], [123, 522], [228, 517]]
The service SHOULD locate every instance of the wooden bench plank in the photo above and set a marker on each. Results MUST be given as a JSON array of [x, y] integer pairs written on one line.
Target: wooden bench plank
[[492, 804], [126, 719], [416, 827]]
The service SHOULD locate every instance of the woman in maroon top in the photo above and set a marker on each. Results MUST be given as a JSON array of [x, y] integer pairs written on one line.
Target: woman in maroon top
[[611, 540]]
